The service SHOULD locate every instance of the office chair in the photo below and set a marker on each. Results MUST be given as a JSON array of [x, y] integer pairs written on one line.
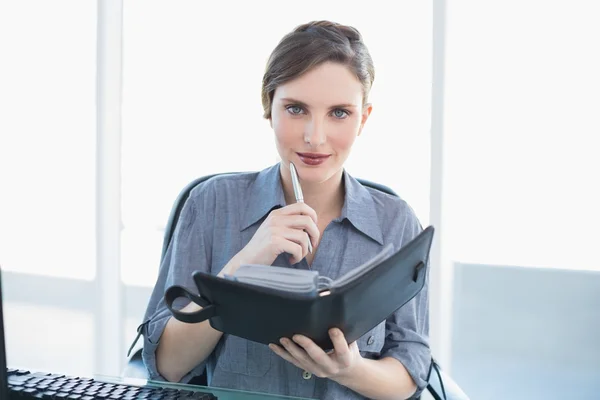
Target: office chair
[[440, 385]]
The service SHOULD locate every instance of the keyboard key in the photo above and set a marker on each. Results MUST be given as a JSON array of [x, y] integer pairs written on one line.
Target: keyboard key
[[22, 372], [82, 386], [197, 395], [40, 374], [18, 378]]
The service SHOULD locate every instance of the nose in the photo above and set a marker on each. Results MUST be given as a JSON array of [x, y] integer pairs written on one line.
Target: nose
[[314, 132]]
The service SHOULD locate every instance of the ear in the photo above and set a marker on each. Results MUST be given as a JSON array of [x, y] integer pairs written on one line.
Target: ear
[[271, 122], [365, 116]]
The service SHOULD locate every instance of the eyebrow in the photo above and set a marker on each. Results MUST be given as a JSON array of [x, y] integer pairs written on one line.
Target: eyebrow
[[303, 104]]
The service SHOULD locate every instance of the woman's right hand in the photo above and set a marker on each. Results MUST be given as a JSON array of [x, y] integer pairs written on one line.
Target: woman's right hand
[[284, 230]]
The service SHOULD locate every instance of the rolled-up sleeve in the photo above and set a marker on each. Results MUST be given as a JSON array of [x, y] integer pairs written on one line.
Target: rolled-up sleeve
[[407, 338], [407, 329], [188, 251]]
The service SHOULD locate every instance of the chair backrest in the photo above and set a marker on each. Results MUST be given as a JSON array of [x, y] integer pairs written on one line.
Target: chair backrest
[[185, 193]]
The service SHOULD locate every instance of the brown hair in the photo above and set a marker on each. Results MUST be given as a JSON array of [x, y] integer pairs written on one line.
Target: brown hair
[[310, 45]]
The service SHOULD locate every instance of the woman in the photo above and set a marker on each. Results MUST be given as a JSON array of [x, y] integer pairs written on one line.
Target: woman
[[315, 95]]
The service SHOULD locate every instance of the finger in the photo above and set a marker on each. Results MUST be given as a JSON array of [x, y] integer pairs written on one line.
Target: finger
[[316, 354], [281, 352], [298, 209], [310, 227], [301, 222], [299, 354], [297, 236], [342, 350], [290, 247]]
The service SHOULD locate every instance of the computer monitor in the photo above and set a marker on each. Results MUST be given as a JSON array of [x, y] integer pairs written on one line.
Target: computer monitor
[[3, 377]]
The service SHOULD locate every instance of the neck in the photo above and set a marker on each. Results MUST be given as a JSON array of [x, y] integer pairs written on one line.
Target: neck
[[326, 198]]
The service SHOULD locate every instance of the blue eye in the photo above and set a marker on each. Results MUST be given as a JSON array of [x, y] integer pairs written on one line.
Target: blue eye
[[294, 110], [340, 114]]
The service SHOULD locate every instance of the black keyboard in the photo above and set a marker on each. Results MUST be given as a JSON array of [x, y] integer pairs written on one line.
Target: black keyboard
[[25, 385]]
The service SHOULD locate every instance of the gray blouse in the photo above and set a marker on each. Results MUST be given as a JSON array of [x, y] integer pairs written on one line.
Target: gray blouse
[[219, 219]]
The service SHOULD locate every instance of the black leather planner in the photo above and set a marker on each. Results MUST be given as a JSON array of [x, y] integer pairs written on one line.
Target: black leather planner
[[264, 309]]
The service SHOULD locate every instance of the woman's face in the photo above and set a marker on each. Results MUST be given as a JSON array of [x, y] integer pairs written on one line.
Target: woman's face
[[316, 118]]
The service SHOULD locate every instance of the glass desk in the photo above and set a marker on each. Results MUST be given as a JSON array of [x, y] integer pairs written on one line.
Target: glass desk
[[220, 393]]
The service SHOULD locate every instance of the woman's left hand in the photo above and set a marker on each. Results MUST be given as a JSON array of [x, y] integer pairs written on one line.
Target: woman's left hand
[[306, 355]]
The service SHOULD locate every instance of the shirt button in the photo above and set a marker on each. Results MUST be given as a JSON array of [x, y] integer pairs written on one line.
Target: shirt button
[[371, 340], [306, 375]]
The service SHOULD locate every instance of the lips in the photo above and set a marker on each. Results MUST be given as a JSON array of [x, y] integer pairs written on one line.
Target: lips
[[313, 155], [313, 159]]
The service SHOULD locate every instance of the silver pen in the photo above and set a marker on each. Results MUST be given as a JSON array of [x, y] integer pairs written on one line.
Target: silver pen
[[298, 195]]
